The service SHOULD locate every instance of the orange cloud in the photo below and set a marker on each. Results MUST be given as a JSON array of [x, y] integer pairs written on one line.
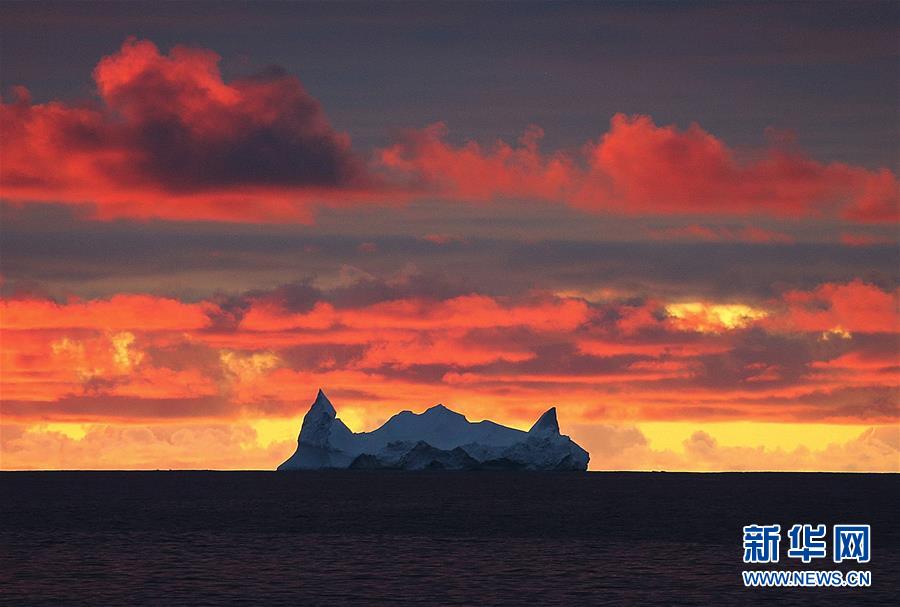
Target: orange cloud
[[145, 312], [464, 312], [859, 368], [823, 355], [49, 365], [852, 307]]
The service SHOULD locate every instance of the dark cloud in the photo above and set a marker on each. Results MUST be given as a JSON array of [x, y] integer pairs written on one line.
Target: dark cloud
[[298, 296], [758, 361], [850, 403], [322, 357], [60, 255]]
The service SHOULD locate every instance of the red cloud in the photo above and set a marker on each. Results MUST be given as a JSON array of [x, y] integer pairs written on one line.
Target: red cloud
[[641, 168], [473, 173], [171, 139]]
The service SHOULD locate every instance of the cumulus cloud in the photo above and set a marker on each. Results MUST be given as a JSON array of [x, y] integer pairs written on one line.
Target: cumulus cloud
[[170, 138]]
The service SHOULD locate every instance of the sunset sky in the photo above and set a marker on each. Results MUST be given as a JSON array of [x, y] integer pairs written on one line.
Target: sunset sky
[[676, 223]]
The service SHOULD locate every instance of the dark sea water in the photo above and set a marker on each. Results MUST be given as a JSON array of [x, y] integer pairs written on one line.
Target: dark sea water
[[431, 538]]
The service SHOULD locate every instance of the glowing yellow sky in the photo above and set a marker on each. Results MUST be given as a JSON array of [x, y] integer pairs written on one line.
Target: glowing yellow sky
[[671, 435]]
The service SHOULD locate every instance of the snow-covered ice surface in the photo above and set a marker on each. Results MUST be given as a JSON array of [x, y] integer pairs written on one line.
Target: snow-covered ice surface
[[438, 438]]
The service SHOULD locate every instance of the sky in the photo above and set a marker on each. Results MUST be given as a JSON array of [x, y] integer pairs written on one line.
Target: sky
[[675, 222]]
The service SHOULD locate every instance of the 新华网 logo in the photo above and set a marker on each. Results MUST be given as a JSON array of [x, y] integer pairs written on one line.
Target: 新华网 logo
[[807, 543]]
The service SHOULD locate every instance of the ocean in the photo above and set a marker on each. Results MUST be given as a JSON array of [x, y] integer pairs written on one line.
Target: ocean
[[424, 538]]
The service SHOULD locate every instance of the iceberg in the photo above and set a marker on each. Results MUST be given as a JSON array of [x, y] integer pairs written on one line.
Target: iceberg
[[436, 439]]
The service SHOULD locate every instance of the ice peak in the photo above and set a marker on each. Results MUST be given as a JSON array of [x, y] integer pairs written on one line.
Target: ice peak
[[318, 422], [440, 410], [546, 423], [323, 404]]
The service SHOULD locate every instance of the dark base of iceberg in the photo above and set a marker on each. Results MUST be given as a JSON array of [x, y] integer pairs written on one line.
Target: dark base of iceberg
[[438, 439], [423, 456]]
